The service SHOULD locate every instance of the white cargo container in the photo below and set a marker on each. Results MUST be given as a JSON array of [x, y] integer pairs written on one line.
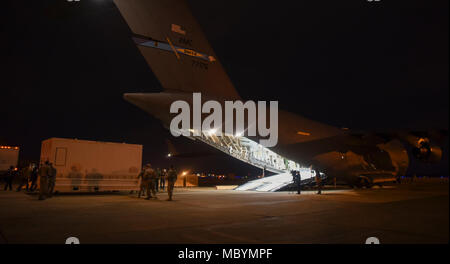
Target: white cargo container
[[9, 156], [84, 165]]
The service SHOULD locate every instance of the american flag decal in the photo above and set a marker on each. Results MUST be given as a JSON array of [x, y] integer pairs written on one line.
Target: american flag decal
[[178, 29]]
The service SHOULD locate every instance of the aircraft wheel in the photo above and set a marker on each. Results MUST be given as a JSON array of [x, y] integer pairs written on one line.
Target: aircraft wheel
[[364, 182]]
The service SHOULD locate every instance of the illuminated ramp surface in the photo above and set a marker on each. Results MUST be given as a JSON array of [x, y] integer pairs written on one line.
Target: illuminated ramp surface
[[267, 184]]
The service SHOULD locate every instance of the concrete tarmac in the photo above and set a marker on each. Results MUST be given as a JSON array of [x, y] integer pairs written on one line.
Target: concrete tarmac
[[406, 213]]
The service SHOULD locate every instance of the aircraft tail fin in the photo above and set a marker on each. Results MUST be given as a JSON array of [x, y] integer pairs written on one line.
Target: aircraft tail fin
[[174, 46]]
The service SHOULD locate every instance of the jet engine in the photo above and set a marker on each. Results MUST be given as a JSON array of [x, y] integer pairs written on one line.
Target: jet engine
[[425, 151]]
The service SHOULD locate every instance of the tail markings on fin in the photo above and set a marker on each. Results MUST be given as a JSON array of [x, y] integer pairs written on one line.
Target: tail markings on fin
[[196, 68]]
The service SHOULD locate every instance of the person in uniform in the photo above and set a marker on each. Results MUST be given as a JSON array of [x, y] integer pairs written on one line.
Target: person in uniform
[[294, 178], [162, 180], [51, 179], [150, 174], [143, 182], [9, 178], [318, 181], [33, 177], [24, 178], [171, 179], [158, 178], [43, 180], [299, 178]]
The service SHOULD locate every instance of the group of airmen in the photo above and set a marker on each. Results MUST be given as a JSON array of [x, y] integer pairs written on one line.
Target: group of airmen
[[151, 180], [28, 178], [47, 179]]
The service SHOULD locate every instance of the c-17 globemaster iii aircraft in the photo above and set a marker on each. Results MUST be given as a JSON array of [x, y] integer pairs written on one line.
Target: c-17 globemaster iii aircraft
[[180, 56]]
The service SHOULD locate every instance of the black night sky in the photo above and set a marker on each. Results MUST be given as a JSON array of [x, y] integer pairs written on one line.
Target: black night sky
[[353, 63]]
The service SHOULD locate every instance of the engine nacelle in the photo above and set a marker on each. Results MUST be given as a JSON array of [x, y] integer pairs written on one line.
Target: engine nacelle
[[425, 151]]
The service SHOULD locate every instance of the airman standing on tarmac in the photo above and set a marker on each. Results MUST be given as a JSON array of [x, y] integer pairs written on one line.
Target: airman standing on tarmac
[[171, 179], [158, 178], [43, 180], [33, 177], [51, 179], [296, 180], [9, 178], [24, 178], [162, 180], [318, 182], [143, 181], [299, 182], [151, 176]]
